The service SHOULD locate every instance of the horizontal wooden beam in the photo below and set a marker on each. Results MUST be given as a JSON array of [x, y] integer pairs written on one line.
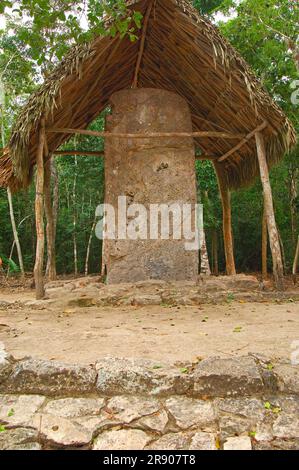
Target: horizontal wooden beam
[[243, 141], [67, 153], [78, 152], [217, 135]]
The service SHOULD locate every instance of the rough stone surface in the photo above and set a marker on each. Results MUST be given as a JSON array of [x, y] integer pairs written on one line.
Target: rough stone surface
[[238, 443], [239, 415], [155, 422], [287, 377], [61, 431], [188, 412], [126, 415], [149, 171], [127, 409], [203, 441], [122, 439], [177, 441], [18, 410], [11, 438], [5, 364], [216, 377], [74, 407], [129, 376], [50, 378]]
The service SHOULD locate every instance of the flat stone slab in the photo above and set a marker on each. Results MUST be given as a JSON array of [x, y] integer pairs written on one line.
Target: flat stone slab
[[130, 376], [18, 410], [122, 439], [216, 377], [238, 443], [49, 378], [189, 413]]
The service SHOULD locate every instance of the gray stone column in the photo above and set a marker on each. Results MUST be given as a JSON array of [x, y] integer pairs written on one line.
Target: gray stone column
[[149, 171]]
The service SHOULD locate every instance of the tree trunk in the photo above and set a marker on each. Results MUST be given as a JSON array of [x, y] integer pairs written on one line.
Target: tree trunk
[[88, 246], [50, 229], [227, 221], [75, 251], [10, 204], [269, 209], [215, 252], [264, 246], [15, 232], [296, 259], [204, 257], [39, 215]]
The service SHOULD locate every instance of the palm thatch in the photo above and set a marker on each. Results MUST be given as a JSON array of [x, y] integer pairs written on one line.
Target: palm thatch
[[183, 53]]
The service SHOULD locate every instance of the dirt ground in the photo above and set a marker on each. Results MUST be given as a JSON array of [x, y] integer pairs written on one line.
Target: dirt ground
[[162, 333]]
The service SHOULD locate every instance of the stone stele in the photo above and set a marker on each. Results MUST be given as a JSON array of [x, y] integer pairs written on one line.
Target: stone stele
[[149, 171]]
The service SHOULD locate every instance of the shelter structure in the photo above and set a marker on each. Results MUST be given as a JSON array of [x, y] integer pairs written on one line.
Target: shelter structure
[[234, 122]]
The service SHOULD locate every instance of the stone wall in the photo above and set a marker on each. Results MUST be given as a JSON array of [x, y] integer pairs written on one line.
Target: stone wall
[[149, 171], [117, 403]]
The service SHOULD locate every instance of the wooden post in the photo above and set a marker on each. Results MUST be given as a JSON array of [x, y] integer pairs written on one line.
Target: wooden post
[[50, 230], [264, 246], [227, 221], [269, 209], [39, 215], [215, 252]]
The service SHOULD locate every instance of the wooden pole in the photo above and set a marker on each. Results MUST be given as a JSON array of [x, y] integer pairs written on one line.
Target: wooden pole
[[269, 209], [295, 263], [142, 44], [39, 215], [243, 141], [50, 229], [89, 153], [227, 221], [149, 135], [264, 246]]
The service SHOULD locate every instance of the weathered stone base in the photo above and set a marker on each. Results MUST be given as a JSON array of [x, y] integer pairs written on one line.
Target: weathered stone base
[[239, 403]]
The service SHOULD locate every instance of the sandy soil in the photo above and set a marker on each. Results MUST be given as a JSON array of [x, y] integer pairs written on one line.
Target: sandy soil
[[161, 333]]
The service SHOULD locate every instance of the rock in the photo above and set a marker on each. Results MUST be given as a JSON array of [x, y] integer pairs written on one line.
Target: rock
[[171, 441], [74, 407], [82, 302], [287, 378], [126, 409], [18, 410], [203, 441], [189, 412], [156, 422], [286, 426], [17, 437], [146, 299], [61, 431], [263, 432], [138, 376], [239, 415], [30, 446], [122, 439], [238, 443], [50, 378], [5, 364], [216, 377]]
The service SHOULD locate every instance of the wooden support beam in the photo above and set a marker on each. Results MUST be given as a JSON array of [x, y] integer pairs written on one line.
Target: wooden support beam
[[227, 221], [243, 141], [88, 153], [142, 44], [50, 228], [39, 214], [269, 210], [216, 135], [264, 246]]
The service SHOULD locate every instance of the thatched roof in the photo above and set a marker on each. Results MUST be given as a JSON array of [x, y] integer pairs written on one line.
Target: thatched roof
[[183, 53]]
